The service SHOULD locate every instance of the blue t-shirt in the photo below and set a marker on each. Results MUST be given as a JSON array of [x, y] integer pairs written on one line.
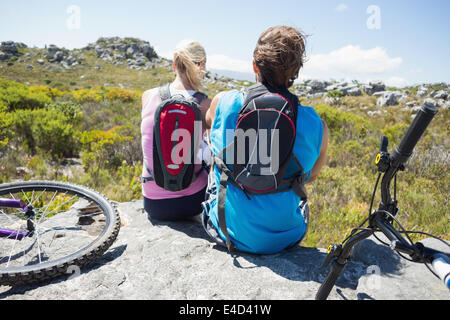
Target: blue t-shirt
[[269, 223]]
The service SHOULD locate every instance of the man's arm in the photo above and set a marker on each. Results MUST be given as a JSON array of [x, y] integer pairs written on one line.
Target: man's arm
[[323, 155]]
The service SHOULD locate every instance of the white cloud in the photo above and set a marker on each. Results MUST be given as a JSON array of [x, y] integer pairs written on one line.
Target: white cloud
[[341, 7], [349, 62], [352, 60], [396, 82], [222, 62]]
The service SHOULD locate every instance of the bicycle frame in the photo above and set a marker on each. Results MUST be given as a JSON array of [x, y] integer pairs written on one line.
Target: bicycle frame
[[15, 234], [382, 219]]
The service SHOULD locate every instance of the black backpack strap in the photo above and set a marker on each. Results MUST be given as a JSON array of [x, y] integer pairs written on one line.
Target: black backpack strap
[[164, 92], [299, 180], [147, 179], [296, 182], [221, 209], [222, 196]]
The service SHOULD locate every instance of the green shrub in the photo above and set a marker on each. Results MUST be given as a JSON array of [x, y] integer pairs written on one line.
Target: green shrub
[[48, 131], [344, 124], [395, 132], [103, 149], [87, 95], [5, 122], [122, 95], [16, 96], [73, 111], [335, 94]]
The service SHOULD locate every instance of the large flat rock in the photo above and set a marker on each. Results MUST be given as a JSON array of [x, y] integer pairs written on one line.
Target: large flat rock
[[159, 260]]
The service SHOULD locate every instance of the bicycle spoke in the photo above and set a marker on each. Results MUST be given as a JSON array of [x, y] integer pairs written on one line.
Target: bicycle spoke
[[32, 204], [37, 238], [48, 206], [6, 215], [64, 202], [12, 249], [28, 201]]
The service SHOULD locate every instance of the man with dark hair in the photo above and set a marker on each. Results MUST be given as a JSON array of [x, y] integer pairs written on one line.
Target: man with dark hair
[[247, 210]]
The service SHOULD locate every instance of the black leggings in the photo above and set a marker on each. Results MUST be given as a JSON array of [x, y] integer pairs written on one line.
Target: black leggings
[[175, 209]]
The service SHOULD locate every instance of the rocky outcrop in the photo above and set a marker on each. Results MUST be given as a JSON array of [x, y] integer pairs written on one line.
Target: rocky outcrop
[[9, 49], [155, 260], [320, 88], [136, 53]]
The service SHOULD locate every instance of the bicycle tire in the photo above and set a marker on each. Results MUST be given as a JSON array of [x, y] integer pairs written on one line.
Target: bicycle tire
[[32, 274]]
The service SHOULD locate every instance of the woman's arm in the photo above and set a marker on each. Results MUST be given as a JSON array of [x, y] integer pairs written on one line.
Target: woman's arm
[[211, 113], [323, 155], [204, 107], [145, 97]]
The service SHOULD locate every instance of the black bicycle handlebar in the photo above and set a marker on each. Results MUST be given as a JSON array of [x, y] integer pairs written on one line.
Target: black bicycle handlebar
[[384, 144], [414, 133]]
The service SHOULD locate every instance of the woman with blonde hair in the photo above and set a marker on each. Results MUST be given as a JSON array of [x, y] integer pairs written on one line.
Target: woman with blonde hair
[[189, 64]]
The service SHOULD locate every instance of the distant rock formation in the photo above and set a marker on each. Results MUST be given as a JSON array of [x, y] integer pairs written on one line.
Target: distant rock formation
[[136, 53], [9, 49]]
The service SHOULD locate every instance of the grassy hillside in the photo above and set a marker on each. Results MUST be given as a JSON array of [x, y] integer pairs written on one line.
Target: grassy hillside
[[82, 124]]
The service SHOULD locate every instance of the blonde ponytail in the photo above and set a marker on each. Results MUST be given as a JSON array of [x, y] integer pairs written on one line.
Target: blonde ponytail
[[188, 54]]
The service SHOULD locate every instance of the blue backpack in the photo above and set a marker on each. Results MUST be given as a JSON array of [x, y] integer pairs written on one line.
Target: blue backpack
[[262, 148]]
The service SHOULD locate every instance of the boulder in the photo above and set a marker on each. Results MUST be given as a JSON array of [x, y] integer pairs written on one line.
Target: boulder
[[122, 48], [441, 94], [441, 103], [153, 260], [368, 89], [99, 50], [4, 56], [377, 86], [380, 93], [52, 49], [70, 60], [9, 47], [354, 91], [331, 87], [387, 99], [316, 95], [58, 57], [422, 92], [141, 61], [147, 51], [317, 85]]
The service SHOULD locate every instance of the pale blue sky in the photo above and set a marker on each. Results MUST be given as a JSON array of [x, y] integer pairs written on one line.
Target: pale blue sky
[[411, 44]]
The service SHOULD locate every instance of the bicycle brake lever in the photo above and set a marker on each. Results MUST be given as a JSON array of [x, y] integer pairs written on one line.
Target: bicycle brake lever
[[334, 250]]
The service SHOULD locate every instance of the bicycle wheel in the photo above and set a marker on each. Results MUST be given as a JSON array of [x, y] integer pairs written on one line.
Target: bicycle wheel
[[73, 226]]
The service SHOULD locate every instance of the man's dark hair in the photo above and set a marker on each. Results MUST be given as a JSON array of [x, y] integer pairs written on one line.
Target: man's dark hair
[[279, 55]]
